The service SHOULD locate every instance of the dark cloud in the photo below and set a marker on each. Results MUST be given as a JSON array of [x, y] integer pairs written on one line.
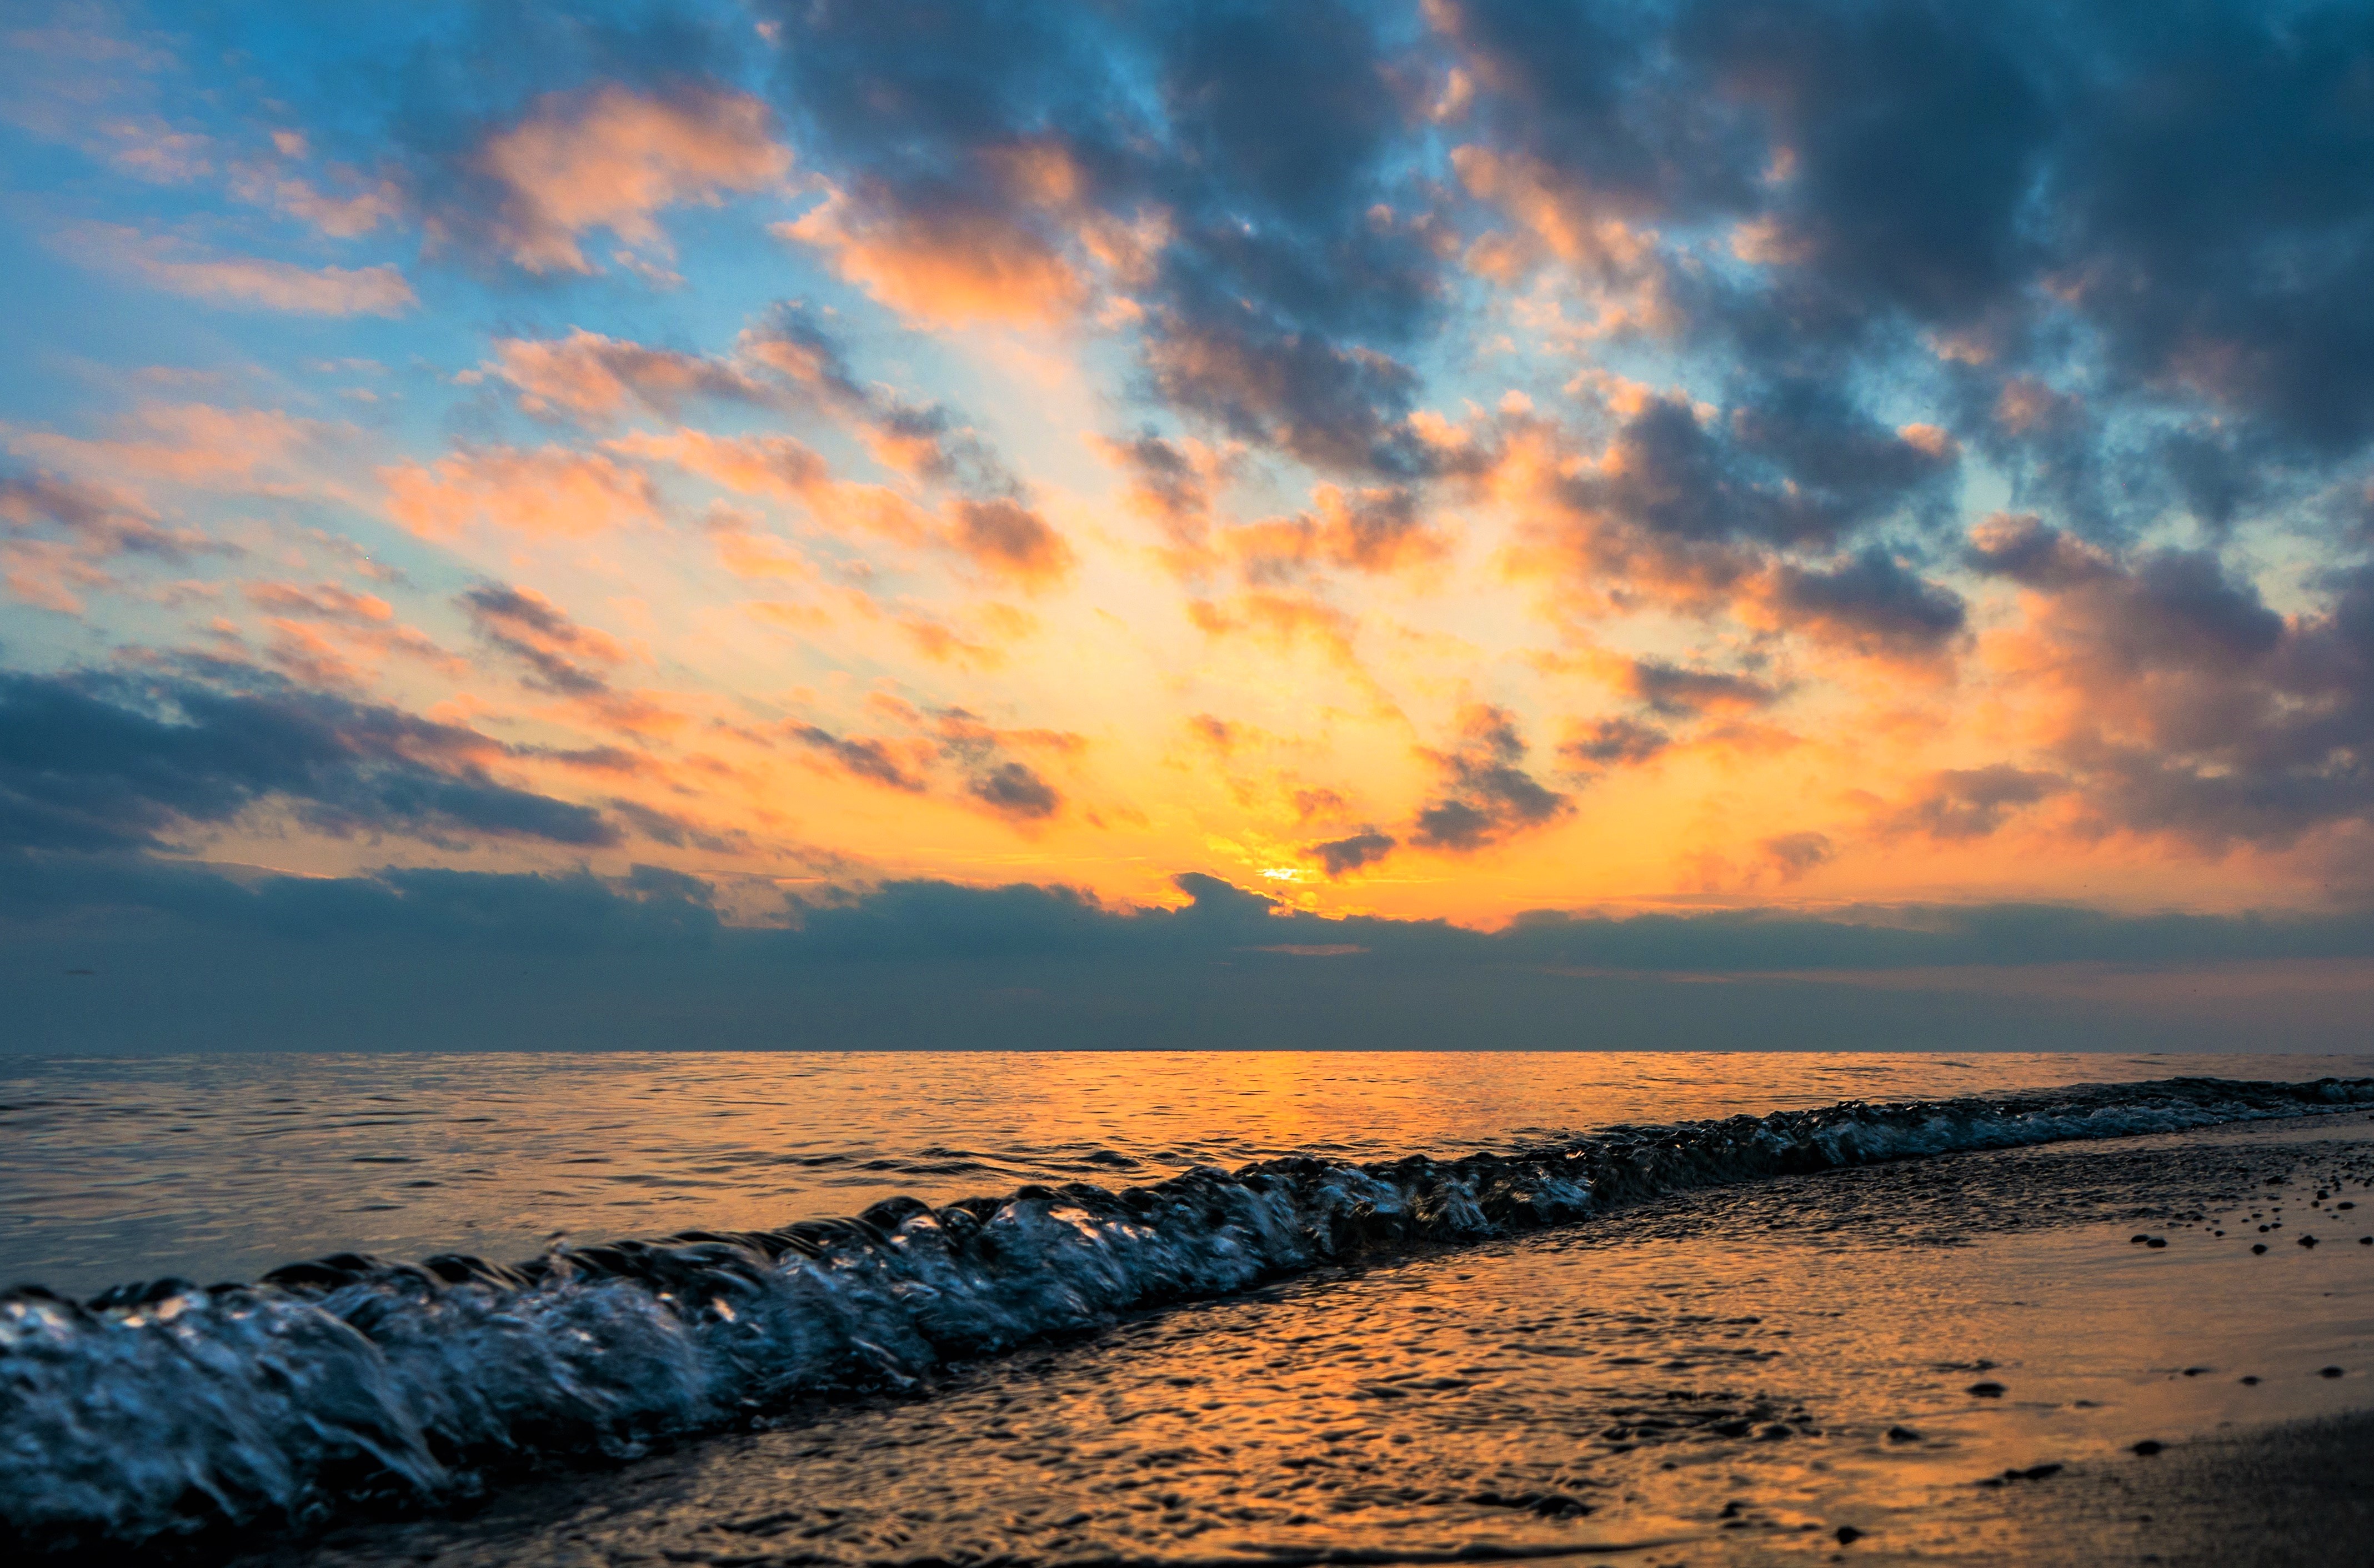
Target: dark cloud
[[1671, 691], [91, 763], [2187, 705], [1014, 790], [1337, 407], [1340, 858], [1971, 803], [1792, 855], [1612, 743], [1910, 135], [867, 759], [474, 959], [1869, 602], [560, 656], [104, 523], [1799, 469], [1488, 796]]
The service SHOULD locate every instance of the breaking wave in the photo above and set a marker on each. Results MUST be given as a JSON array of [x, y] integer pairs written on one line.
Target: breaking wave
[[162, 1411]]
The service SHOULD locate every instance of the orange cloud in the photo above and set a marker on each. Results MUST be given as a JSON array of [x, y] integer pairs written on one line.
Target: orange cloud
[[550, 492], [236, 451], [590, 376], [950, 266], [178, 267], [612, 159]]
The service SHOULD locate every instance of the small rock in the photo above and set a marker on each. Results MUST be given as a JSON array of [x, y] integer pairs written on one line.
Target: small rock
[[2259, 1246], [1902, 1435], [2330, 1371], [1848, 1535], [2157, 1242], [2308, 1241], [2132, 1241], [2249, 1383], [2147, 1448], [1986, 1390]]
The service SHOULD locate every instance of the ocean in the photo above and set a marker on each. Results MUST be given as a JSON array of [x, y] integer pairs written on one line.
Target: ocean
[[1197, 1308]]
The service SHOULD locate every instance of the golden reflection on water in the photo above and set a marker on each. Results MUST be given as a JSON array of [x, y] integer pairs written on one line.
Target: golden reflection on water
[[220, 1167]]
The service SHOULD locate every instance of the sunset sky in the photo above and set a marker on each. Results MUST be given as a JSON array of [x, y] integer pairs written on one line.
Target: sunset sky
[[1856, 470]]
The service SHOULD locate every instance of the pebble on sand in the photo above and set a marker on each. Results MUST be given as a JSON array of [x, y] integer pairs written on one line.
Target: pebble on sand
[[2258, 1246], [1986, 1390], [1848, 1535], [2330, 1371], [2147, 1448]]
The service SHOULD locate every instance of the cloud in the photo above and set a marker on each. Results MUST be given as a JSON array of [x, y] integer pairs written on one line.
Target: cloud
[[549, 492], [1792, 855], [197, 446], [873, 761], [942, 257], [522, 961], [2176, 702], [1014, 790], [93, 764], [179, 266], [1009, 540], [58, 535], [1487, 796], [560, 656], [1972, 803], [588, 376], [1612, 743], [1340, 858], [988, 773], [612, 158], [1671, 691], [1870, 603], [1374, 530]]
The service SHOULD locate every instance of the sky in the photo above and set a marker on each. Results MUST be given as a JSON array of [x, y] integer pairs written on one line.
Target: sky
[[1827, 523]]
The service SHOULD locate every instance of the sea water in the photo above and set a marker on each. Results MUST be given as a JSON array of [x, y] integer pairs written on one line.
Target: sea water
[[441, 1275]]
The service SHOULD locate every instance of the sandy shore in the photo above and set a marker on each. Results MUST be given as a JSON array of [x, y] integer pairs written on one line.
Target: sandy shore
[[2300, 1493]]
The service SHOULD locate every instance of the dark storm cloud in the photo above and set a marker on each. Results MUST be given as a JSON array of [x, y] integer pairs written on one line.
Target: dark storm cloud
[[90, 763]]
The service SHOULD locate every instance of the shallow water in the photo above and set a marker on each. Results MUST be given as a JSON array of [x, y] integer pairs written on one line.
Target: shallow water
[[221, 1167]]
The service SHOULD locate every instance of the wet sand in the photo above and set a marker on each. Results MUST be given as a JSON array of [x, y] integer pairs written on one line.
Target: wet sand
[[2298, 1493]]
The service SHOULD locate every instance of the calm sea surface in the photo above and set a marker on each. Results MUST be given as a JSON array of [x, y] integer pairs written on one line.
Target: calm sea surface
[[221, 1167]]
